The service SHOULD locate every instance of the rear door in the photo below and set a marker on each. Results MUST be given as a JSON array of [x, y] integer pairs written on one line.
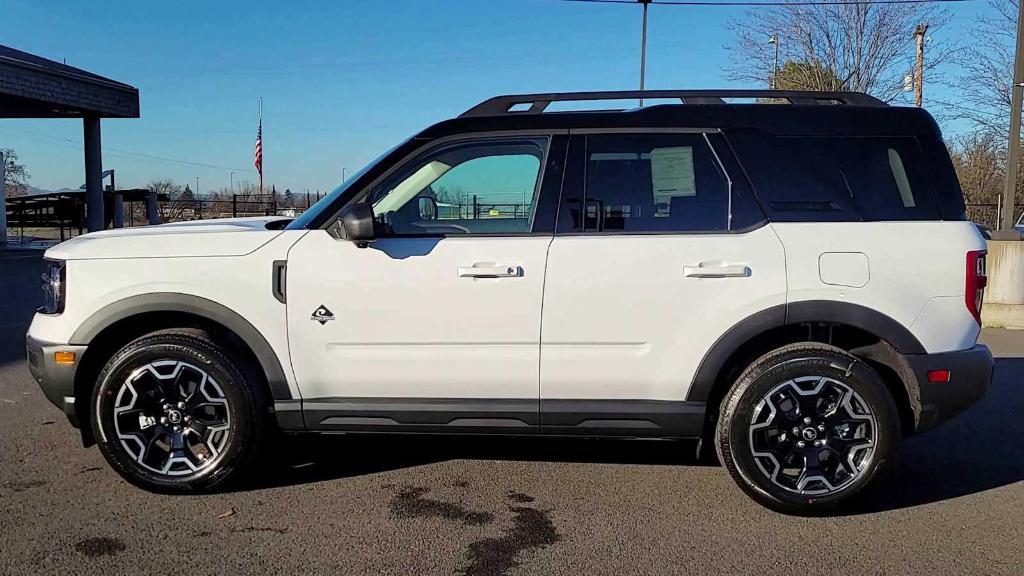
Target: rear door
[[659, 250], [435, 326]]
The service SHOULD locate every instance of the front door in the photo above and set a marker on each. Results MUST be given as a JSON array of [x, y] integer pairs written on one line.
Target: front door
[[436, 324]]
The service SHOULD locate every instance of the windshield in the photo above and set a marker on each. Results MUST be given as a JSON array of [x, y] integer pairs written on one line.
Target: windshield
[[302, 221]]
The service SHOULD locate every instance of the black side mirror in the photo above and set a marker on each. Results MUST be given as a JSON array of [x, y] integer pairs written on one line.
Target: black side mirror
[[357, 221], [428, 208]]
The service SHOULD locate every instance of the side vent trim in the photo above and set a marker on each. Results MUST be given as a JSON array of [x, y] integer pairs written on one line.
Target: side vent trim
[[279, 280]]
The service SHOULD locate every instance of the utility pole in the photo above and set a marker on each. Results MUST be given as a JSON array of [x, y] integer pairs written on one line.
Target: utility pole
[[197, 186], [773, 39], [643, 48], [919, 33], [1009, 210], [232, 187]]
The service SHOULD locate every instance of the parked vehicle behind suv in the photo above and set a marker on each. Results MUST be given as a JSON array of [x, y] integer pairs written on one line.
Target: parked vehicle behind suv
[[791, 281]]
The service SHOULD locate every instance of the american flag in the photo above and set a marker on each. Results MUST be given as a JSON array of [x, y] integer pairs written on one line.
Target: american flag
[[258, 161]]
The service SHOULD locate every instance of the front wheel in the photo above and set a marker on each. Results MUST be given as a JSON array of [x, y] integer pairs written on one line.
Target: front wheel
[[807, 428], [174, 413]]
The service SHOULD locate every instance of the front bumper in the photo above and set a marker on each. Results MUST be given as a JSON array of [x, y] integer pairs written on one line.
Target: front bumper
[[970, 374], [57, 381]]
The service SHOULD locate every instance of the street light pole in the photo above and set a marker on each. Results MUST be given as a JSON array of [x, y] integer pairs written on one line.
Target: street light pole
[[773, 39]]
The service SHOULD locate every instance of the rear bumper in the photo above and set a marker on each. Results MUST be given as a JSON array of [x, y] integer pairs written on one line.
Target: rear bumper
[[57, 381], [970, 373]]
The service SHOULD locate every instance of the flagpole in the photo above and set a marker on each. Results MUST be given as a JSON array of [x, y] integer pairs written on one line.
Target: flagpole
[[261, 128]]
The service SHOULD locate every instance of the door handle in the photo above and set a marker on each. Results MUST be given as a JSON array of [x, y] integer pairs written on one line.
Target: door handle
[[703, 270], [490, 271]]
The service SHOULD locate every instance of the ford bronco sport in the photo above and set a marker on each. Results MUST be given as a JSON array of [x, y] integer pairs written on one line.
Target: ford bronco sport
[[790, 279]]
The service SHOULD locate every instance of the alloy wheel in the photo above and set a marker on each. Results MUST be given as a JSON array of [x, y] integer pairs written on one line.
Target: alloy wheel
[[172, 418], [812, 435]]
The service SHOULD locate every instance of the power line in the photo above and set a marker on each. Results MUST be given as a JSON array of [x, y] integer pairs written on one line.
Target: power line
[[728, 3], [70, 143]]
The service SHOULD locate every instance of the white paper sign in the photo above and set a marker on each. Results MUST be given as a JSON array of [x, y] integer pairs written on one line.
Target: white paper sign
[[672, 174]]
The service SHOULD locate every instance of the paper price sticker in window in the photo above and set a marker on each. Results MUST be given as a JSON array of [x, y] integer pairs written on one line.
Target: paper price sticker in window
[[672, 175]]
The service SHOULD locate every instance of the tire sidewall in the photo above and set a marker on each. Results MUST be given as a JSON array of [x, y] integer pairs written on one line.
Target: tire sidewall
[[203, 355], [753, 385]]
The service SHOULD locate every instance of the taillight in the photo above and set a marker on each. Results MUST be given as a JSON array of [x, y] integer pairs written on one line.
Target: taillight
[[976, 281]]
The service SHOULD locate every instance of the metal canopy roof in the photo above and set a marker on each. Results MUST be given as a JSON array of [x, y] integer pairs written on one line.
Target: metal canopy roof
[[34, 87]]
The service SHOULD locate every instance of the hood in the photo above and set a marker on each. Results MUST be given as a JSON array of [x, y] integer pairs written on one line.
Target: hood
[[218, 237]]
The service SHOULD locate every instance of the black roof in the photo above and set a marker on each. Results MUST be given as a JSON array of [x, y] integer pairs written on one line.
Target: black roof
[[788, 113]]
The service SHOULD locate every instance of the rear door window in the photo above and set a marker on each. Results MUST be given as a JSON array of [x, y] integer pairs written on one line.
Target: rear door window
[[667, 183], [839, 179]]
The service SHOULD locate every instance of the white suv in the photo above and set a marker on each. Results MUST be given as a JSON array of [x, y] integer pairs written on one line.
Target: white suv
[[792, 282]]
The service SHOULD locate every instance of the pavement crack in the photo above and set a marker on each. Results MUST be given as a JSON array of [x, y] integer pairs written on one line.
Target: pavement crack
[[24, 485]]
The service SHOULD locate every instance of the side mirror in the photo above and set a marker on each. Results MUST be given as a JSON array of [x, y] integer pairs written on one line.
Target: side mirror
[[428, 208], [357, 221]]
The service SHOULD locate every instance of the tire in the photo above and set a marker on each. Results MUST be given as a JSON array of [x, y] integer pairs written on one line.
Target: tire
[[160, 445], [764, 440]]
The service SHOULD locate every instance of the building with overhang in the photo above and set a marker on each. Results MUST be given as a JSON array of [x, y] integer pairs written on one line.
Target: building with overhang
[[35, 87]]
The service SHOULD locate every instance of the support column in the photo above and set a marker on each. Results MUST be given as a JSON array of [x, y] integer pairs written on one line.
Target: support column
[[151, 207], [3, 202], [93, 174], [118, 210], [118, 202]]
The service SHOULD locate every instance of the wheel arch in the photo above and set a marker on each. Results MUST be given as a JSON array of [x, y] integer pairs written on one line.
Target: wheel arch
[[116, 324], [868, 334]]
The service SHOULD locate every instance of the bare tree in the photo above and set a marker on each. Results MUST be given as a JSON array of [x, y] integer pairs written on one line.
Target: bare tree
[[174, 208], [980, 162], [987, 70], [15, 175], [861, 47]]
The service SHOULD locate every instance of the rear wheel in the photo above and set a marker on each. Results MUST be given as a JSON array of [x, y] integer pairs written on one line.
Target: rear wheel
[[174, 413], [807, 428]]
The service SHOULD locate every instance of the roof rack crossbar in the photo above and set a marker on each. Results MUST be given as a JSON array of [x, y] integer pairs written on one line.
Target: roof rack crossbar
[[538, 103]]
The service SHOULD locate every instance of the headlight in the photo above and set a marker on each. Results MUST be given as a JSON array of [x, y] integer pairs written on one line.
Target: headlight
[[54, 289]]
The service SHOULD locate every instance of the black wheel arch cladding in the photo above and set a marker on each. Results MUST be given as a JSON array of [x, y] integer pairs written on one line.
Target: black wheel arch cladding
[[717, 358]]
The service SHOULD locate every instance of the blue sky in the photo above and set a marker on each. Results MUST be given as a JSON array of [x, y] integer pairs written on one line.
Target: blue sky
[[341, 81]]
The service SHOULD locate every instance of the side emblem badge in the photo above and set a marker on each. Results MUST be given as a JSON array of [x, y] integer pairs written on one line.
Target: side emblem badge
[[322, 315]]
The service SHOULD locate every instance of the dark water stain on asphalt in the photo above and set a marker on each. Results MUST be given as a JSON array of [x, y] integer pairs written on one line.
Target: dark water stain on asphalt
[[531, 528], [410, 503], [519, 497], [100, 546], [461, 483]]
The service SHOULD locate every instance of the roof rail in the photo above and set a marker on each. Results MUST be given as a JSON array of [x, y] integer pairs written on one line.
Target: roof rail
[[502, 105]]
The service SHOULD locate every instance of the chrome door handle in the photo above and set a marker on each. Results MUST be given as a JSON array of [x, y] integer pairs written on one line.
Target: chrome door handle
[[709, 271], [490, 271]]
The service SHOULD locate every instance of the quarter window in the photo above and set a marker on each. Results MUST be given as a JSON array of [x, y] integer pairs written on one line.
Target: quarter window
[[839, 179]]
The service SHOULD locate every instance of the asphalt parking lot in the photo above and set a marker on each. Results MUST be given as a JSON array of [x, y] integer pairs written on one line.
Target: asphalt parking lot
[[495, 506]]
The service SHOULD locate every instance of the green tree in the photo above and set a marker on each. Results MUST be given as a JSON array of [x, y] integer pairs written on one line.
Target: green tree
[[813, 75]]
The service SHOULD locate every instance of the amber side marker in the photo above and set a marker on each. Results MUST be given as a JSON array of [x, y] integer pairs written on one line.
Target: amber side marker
[[64, 357]]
